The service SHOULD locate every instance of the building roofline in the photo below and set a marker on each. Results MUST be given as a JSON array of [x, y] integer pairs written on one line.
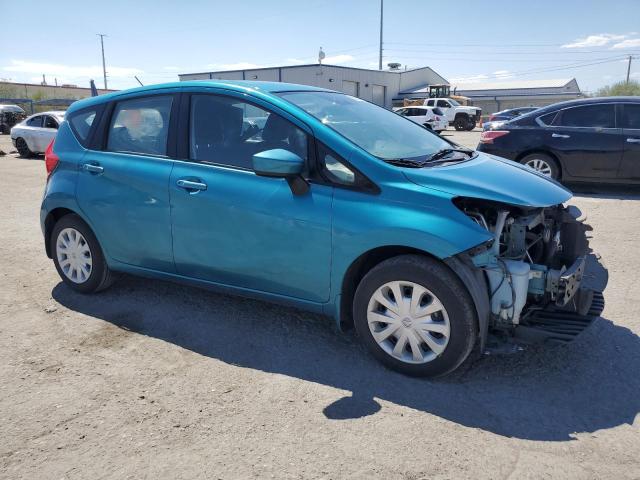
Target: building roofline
[[309, 65]]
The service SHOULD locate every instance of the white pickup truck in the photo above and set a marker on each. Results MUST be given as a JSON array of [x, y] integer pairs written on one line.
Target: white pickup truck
[[461, 117]]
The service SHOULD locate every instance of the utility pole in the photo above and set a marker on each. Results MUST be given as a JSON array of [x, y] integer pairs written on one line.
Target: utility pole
[[629, 68], [381, 14], [104, 68]]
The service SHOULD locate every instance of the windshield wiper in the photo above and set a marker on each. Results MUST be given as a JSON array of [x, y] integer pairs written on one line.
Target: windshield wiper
[[406, 162], [448, 151], [435, 159]]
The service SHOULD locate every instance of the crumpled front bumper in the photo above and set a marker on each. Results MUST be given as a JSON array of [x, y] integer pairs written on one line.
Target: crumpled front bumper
[[562, 322]]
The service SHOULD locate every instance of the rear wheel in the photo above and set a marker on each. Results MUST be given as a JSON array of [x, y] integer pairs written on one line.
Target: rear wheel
[[415, 316], [78, 257], [543, 164], [23, 148]]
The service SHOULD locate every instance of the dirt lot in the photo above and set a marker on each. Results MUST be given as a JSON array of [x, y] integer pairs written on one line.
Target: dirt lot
[[156, 380]]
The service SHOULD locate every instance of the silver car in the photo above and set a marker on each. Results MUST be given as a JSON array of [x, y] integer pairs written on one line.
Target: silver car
[[35, 133]]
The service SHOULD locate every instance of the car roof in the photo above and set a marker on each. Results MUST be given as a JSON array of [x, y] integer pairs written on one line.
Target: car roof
[[240, 86], [572, 103]]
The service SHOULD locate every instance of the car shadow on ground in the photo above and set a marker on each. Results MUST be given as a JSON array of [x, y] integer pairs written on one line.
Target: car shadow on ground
[[543, 393], [616, 192]]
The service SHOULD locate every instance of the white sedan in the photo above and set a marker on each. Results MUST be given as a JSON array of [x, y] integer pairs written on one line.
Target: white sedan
[[35, 133], [430, 117]]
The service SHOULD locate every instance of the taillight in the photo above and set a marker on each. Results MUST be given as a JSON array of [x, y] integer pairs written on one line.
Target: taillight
[[50, 159], [490, 135]]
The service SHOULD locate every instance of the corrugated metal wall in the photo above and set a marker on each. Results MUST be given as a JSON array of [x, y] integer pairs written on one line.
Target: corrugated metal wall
[[372, 85]]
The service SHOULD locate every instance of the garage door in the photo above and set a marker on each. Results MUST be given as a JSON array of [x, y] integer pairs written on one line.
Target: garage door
[[378, 94], [350, 88]]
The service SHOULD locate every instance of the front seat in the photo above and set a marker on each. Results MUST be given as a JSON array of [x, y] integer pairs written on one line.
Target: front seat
[[280, 133]]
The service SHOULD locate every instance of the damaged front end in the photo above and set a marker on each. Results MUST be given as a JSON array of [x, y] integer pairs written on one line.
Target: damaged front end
[[544, 284]]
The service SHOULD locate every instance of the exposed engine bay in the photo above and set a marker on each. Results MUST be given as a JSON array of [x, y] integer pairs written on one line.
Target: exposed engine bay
[[537, 269]]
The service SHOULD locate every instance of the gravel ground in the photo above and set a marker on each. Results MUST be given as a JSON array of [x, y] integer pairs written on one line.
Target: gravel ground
[[155, 380]]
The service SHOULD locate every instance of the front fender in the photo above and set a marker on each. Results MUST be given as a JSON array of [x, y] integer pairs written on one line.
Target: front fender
[[428, 223]]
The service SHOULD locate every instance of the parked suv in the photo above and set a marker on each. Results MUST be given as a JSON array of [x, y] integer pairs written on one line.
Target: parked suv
[[594, 139], [317, 199], [432, 118]]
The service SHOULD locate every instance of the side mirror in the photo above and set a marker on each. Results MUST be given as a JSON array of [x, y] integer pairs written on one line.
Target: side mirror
[[280, 163]]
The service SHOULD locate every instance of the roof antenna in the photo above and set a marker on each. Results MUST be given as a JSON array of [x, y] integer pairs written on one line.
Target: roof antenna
[[321, 56]]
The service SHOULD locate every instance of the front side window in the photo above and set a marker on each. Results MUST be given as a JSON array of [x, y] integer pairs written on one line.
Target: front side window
[[631, 116], [227, 131], [376, 130], [35, 121], [49, 122], [593, 116], [443, 104], [141, 125]]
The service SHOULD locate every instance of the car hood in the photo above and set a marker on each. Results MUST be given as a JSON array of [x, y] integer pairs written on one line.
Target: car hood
[[492, 178]]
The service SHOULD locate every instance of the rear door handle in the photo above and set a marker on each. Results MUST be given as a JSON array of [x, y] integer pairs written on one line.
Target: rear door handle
[[190, 185], [90, 167], [633, 140], [559, 135]]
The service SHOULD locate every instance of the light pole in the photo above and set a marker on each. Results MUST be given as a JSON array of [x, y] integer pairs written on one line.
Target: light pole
[[381, 15], [104, 68]]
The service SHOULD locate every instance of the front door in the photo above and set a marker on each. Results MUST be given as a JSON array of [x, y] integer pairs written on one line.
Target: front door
[[587, 141], [235, 228], [630, 166], [123, 190]]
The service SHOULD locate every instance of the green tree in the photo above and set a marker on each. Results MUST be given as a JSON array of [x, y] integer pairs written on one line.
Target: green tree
[[620, 89]]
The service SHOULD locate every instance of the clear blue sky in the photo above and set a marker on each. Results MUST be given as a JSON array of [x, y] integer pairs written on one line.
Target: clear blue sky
[[464, 41]]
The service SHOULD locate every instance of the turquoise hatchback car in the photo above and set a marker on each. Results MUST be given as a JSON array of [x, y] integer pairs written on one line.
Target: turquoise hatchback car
[[323, 201]]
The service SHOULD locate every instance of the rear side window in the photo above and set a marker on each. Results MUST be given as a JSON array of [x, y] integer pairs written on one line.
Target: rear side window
[[140, 125], [549, 118], [437, 111], [81, 123], [631, 116], [593, 116], [35, 121]]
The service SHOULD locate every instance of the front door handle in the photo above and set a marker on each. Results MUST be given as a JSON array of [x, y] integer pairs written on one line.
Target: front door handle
[[190, 185], [559, 135], [90, 167], [633, 140]]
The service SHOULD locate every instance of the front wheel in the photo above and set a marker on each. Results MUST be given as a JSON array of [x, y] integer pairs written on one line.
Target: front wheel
[[461, 123], [415, 316], [78, 257]]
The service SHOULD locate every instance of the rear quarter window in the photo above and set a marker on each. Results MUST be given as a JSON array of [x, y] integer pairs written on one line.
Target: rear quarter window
[[83, 123]]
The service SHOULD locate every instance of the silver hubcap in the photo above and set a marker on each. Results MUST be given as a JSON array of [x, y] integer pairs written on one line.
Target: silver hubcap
[[74, 255], [408, 322], [539, 165]]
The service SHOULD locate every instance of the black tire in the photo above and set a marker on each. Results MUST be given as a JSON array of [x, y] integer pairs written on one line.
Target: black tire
[[23, 148], [446, 286], [550, 161], [100, 277], [471, 125], [461, 122]]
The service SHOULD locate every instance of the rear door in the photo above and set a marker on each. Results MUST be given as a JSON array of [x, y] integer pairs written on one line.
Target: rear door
[[586, 140], [123, 186], [31, 133], [630, 166]]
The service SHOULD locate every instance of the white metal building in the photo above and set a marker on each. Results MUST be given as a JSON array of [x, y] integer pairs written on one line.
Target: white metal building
[[378, 86]]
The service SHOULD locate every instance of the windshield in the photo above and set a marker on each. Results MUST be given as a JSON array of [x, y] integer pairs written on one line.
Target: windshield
[[453, 102], [378, 131]]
